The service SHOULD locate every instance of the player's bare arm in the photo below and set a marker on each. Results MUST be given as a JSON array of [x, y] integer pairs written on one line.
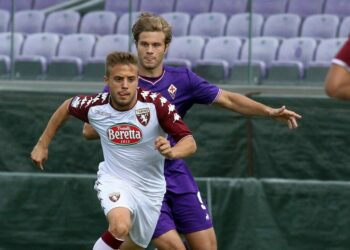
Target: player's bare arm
[[89, 132], [183, 148], [337, 83], [246, 106], [39, 153]]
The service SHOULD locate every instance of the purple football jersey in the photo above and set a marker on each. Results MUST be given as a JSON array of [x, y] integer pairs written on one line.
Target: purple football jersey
[[183, 88]]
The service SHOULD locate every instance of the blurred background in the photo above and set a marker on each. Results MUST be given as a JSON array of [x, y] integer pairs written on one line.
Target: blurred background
[[267, 187]]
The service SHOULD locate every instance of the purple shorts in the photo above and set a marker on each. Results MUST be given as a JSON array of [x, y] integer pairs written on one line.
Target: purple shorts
[[184, 212]]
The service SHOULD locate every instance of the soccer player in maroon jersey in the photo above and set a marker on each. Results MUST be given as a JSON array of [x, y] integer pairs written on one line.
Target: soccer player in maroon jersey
[[133, 125], [337, 82]]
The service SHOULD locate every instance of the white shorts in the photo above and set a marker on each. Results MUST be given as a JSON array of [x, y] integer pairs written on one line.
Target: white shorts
[[113, 193]]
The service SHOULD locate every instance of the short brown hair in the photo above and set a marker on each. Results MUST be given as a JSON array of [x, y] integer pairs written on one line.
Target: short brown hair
[[148, 22], [119, 57]]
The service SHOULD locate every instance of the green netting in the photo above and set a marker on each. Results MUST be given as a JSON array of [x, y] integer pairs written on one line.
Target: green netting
[[49, 212], [24, 117], [278, 214], [221, 140], [61, 211], [318, 149]]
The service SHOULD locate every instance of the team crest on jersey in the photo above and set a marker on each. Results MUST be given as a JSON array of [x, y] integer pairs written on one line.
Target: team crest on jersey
[[143, 115], [124, 134], [172, 91], [114, 197]]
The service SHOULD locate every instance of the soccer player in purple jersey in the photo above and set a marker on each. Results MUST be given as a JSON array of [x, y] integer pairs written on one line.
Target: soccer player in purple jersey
[[183, 210]]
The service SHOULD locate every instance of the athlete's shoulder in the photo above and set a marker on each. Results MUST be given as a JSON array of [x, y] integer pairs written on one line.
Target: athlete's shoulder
[[176, 70], [144, 95], [86, 101]]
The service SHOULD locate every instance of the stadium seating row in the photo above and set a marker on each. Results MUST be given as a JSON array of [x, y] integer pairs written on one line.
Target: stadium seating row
[[228, 7], [220, 59], [28, 4], [204, 24]]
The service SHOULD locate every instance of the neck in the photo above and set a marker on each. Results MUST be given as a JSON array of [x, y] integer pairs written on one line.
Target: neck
[[126, 107], [157, 72]]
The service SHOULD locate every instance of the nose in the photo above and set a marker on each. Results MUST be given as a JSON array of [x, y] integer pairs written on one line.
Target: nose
[[125, 84], [150, 50]]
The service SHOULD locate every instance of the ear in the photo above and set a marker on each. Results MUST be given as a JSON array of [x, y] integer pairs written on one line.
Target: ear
[[106, 78], [166, 48]]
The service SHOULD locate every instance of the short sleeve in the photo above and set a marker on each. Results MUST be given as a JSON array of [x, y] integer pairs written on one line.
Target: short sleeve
[[343, 56], [202, 91], [170, 121], [80, 105]]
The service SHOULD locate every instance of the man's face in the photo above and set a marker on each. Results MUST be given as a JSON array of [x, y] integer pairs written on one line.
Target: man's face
[[122, 83], [151, 49]]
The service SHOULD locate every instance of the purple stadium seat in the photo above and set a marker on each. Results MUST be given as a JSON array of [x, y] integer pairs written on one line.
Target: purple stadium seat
[[41, 44], [269, 7], [5, 48], [62, 22], [121, 6], [344, 29], [123, 23], [297, 51], [20, 5], [73, 52], [208, 24], [317, 70], [29, 21], [156, 6], [4, 20], [98, 22], [326, 50], [42, 4], [110, 43], [225, 48], [340, 8], [229, 7], [282, 25], [264, 49], [257, 60], [38, 49], [238, 25], [5, 43], [193, 7], [185, 50], [305, 8], [320, 26], [94, 69], [220, 53], [293, 57], [179, 22]]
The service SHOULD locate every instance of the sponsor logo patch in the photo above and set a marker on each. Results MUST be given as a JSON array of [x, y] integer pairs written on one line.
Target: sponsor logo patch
[[124, 134], [114, 197], [143, 115]]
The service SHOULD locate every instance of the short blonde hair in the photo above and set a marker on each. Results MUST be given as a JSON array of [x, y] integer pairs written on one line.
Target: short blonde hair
[[148, 22], [119, 57]]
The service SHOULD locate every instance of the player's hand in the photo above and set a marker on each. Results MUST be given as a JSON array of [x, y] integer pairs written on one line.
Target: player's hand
[[39, 155], [163, 146], [284, 115]]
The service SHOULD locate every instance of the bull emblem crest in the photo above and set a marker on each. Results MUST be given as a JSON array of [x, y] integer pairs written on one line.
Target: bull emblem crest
[[143, 116]]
